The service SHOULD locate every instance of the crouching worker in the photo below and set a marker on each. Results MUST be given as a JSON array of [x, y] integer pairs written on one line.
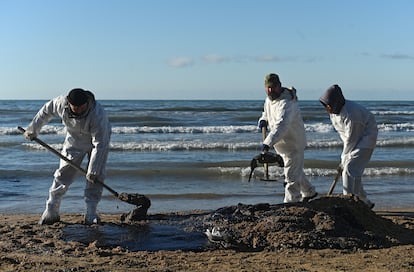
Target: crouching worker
[[87, 133], [358, 130], [282, 116]]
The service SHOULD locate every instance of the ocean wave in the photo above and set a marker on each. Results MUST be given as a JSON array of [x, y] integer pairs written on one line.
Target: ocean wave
[[322, 172], [164, 146], [319, 127], [396, 127], [182, 146], [388, 112], [218, 172], [185, 130], [198, 145], [315, 144], [46, 130], [396, 142], [60, 130], [36, 146]]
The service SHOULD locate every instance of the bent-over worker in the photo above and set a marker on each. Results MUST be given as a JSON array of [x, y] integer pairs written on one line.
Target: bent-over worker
[[358, 130], [88, 132]]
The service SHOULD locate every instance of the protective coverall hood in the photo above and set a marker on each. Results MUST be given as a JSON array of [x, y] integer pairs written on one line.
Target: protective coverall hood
[[334, 98], [81, 98]]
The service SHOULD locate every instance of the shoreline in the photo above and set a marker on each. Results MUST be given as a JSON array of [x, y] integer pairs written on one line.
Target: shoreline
[[27, 246], [387, 211]]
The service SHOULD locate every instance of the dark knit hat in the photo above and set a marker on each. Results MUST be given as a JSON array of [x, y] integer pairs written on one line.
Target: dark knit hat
[[334, 98], [77, 97], [272, 80]]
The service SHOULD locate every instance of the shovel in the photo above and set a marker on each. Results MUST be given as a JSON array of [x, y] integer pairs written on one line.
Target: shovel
[[134, 199], [338, 174], [265, 158], [265, 165], [253, 165]]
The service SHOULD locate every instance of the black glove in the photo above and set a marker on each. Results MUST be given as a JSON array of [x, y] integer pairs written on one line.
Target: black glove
[[262, 124], [265, 148], [91, 178]]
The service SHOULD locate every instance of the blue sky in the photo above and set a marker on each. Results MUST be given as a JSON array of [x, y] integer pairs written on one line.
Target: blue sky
[[216, 49]]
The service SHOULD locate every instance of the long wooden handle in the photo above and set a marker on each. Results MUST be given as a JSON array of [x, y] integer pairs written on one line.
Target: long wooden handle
[[338, 174], [71, 163]]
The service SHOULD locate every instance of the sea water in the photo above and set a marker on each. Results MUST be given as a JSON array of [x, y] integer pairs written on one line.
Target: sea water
[[192, 154]]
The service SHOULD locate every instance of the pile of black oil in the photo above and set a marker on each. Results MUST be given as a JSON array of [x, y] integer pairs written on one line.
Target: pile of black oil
[[329, 222], [150, 237]]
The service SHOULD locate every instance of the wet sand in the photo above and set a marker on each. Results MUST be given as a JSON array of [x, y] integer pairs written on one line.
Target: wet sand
[[27, 246]]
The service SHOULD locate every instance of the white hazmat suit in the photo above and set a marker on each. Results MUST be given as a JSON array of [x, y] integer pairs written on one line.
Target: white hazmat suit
[[358, 130], [287, 136], [87, 134]]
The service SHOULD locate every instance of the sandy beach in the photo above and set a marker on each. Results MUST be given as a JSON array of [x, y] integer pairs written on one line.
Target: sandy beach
[[27, 246]]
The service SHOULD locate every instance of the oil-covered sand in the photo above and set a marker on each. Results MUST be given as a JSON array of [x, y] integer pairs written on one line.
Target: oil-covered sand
[[327, 234]]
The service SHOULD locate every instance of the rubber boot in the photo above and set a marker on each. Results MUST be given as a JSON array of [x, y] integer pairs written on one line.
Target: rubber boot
[[309, 192], [370, 204], [51, 213], [309, 197], [292, 192], [363, 198], [91, 216]]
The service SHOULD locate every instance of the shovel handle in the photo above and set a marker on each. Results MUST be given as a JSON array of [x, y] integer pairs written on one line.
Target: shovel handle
[[265, 165], [71, 163], [338, 174]]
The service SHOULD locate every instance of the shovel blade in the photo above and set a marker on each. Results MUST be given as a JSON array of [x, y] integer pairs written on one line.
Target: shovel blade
[[142, 204], [253, 165], [270, 157], [135, 199], [268, 179]]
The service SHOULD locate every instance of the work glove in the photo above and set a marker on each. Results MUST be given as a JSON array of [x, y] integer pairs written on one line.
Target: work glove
[[262, 124], [91, 178], [265, 148], [29, 135]]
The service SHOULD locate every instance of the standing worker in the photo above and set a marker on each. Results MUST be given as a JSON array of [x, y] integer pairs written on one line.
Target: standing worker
[[287, 135], [358, 130], [88, 132]]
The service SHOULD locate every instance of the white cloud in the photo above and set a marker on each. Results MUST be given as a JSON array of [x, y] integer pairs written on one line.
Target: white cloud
[[180, 62], [398, 56], [213, 58], [267, 58]]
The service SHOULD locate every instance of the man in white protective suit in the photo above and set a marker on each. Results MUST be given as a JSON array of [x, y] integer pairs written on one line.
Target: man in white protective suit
[[282, 117], [358, 130], [88, 132]]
